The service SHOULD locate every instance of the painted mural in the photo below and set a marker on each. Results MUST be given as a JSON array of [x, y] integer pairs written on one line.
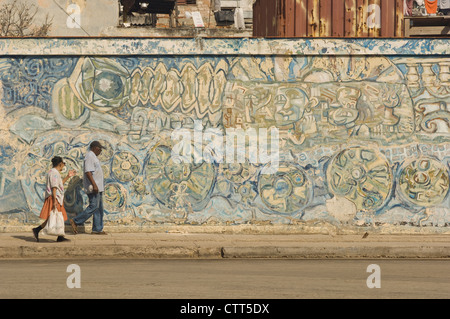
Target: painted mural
[[363, 140]]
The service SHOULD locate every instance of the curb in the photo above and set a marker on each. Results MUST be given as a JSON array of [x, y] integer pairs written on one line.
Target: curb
[[337, 252], [180, 252], [112, 252]]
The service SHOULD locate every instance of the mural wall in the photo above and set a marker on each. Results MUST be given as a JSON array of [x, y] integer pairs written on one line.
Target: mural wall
[[363, 139]]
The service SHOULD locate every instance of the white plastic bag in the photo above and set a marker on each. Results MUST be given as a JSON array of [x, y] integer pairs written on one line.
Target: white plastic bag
[[55, 224]]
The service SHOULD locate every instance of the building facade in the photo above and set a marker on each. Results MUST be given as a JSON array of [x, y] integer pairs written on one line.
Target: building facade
[[130, 18]]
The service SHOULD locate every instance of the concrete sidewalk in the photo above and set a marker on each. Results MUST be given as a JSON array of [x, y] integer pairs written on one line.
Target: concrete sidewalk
[[218, 246]]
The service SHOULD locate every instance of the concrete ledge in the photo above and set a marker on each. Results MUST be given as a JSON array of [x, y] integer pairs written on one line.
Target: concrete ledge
[[121, 46]]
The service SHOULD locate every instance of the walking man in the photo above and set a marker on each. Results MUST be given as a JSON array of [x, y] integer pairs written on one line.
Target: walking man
[[94, 186]]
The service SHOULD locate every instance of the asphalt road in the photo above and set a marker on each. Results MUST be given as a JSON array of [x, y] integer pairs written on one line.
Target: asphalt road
[[224, 279]]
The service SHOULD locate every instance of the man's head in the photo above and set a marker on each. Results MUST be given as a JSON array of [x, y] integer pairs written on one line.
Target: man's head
[[96, 147]]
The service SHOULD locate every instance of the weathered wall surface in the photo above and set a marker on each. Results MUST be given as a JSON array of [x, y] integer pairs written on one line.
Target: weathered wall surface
[[363, 129]]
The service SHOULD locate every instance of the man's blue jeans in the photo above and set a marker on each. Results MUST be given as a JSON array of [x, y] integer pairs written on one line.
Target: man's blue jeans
[[95, 208]]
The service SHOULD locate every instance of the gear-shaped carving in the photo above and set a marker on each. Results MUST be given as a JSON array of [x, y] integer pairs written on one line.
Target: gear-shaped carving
[[361, 175], [287, 191], [125, 166], [178, 185], [424, 181]]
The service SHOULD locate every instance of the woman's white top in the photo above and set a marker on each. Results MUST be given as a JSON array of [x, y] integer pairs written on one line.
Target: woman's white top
[[54, 180]]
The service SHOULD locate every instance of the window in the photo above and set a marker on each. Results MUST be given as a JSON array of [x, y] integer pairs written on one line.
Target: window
[[144, 12], [186, 1]]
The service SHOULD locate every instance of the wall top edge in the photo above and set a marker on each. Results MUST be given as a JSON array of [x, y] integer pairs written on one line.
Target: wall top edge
[[223, 46]]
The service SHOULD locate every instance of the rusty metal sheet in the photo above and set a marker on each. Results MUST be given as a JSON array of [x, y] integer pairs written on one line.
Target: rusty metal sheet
[[350, 18], [328, 18], [374, 18], [362, 29], [338, 16], [399, 22], [325, 18], [266, 19], [301, 19], [313, 18], [388, 18]]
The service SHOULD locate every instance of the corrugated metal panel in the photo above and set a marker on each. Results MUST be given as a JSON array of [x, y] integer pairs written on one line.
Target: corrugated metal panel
[[338, 17], [265, 22], [350, 18], [328, 18], [362, 29]]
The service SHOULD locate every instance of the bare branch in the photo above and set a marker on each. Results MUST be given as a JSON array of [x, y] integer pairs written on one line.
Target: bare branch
[[17, 19]]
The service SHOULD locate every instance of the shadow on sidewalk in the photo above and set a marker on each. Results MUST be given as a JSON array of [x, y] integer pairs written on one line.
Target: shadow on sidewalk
[[32, 239]]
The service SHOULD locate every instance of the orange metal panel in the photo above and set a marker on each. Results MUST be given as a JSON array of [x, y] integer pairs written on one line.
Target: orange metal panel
[[313, 18], [289, 18], [338, 12], [326, 20], [350, 18], [387, 18], [256, 22], [361, 17], [374, 19], [280, 23], [399, 18], [269, 18], [301, 18], [265, 18]]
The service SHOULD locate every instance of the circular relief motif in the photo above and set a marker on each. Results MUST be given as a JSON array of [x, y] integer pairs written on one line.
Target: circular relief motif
[[247, 191], [108, 85], [177, 184], [424, 181], [287, 191], [107, 153], [362, 176], [125, 166], [238, 172], [102, 84], [114, 197]]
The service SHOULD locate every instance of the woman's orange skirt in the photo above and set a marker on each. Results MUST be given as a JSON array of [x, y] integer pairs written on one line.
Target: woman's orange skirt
[[48, 206]]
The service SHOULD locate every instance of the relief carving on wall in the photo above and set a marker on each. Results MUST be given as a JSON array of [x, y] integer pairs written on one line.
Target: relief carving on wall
[[367, 133]]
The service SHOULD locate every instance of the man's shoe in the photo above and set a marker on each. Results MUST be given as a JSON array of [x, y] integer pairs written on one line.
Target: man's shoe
[[98, 233], [61, 238], [74, 226]]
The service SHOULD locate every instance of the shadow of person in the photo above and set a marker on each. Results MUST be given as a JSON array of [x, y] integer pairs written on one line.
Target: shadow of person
[[73, 197], [32, 239]]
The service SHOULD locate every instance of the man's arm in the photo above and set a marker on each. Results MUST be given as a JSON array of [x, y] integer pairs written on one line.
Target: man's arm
[[91, 179]]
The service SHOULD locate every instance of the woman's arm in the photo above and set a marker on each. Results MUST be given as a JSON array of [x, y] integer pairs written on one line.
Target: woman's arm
[[71, 174], [54, 197]]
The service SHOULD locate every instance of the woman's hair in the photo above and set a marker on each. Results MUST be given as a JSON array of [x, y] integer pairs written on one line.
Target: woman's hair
[[57, 160]]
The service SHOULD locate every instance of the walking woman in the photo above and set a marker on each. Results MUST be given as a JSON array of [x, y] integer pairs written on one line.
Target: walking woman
[[54, 194]]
